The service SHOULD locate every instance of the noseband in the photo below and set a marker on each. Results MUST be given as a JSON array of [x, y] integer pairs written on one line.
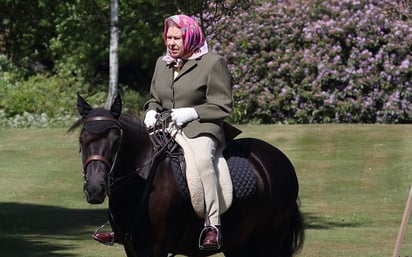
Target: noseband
[[98, 157], [95, 157]]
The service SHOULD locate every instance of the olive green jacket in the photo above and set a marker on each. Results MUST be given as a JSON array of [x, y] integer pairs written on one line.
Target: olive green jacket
[[203, 83]]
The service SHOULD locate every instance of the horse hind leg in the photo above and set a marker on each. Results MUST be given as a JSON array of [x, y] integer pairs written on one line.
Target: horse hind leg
[[263, 243], [259, 245]]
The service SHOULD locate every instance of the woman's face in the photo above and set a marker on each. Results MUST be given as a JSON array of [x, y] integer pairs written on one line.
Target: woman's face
[[174, 42]]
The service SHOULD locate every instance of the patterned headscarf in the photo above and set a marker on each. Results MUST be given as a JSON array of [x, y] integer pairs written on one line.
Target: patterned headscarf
[[193, 39]]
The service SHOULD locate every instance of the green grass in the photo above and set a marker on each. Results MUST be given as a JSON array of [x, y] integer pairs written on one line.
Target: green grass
[[354, 183]]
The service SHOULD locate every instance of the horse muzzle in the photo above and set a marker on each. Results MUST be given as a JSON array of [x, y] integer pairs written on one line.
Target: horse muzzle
[[95, 194]]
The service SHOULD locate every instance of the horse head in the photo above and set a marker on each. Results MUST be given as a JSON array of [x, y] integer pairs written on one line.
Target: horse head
[[99, 140]]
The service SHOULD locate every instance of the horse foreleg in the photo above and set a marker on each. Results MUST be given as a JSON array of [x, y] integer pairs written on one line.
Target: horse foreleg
[[243, 250], [129, 252]]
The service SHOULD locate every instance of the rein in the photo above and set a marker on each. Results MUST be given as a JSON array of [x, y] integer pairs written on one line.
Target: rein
[[160, 139], [160, 142]]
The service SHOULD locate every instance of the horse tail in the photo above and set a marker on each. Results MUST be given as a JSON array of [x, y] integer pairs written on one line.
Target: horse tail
[[296, 231]]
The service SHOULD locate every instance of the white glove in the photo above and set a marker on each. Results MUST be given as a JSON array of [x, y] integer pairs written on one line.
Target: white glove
[[150, 118], [183, 115]]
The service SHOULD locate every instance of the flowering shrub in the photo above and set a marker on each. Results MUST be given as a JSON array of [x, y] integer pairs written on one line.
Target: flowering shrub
[[328, 61], [30, 120]]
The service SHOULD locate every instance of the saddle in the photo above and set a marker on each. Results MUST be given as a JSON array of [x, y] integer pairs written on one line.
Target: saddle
[[241, 175]]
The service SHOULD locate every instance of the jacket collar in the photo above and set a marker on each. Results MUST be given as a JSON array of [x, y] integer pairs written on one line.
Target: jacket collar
[[188, 66]]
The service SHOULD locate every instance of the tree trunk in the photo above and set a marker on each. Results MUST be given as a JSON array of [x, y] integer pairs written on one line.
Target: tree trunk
[[113, 55]]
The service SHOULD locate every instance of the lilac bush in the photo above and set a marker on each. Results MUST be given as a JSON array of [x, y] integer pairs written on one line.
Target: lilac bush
[[345, 61]]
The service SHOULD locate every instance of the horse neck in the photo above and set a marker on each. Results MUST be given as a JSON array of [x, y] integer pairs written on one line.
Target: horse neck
[[136, 149], [130, 193]]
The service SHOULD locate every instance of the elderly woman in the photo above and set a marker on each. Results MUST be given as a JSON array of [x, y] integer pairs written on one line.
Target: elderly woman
[[195, 86]]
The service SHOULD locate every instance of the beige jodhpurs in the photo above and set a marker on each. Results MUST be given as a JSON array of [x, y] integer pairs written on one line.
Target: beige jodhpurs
[[207, 157]]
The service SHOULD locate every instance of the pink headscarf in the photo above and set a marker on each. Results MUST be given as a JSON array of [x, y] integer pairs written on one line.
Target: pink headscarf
[[193, 39]]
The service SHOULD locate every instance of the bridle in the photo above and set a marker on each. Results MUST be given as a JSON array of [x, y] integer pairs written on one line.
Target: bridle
[[98, 157], [160, 143]]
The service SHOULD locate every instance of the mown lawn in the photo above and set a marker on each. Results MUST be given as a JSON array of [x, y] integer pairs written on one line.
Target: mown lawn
[[354, 183]]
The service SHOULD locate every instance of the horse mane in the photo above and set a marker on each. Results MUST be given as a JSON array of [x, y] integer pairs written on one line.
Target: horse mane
[[130, 117], [133, 122]]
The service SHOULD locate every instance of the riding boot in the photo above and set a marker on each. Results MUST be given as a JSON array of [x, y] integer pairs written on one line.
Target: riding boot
[[212, 239], [107, 238]]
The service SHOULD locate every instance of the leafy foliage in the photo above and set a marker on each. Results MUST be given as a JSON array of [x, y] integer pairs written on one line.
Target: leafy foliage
[[319, 61], [49, 100], [309, 61], [72, 37], [50, 49], [25, 28]]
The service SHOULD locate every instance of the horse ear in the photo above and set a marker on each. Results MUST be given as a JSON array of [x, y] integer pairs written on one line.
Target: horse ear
[[116, 108], [82, 106]]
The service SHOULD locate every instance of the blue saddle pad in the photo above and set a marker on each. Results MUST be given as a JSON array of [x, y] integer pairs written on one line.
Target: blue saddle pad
[[240, 169]]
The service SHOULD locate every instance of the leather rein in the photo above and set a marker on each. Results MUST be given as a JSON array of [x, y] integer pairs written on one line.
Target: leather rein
[[160, 144]]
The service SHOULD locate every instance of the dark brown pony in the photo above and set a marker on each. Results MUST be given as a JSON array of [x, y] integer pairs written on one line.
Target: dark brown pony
[[150, 216]]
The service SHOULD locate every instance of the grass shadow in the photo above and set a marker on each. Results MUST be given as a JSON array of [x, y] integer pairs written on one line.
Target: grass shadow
[[31, 230], [314, 221]]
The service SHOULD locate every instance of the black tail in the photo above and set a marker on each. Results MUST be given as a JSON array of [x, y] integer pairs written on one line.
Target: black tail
[[284, 238], [296, 232]]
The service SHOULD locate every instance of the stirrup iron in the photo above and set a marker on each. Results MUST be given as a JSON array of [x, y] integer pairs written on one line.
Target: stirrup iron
[[218, 238]]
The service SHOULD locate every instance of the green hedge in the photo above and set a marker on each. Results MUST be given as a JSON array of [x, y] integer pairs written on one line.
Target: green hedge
[[50, 101]]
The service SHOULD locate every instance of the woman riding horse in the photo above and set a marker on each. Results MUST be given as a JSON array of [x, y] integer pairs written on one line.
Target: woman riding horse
[[151, 214], [195, 85]]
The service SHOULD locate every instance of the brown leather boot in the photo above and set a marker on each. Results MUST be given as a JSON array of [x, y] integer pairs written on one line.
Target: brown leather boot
[[107, 238], [212, 239]]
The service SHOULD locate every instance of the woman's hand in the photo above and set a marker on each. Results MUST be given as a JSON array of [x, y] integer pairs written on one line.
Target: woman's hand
[[150, 118], [183, 115]]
